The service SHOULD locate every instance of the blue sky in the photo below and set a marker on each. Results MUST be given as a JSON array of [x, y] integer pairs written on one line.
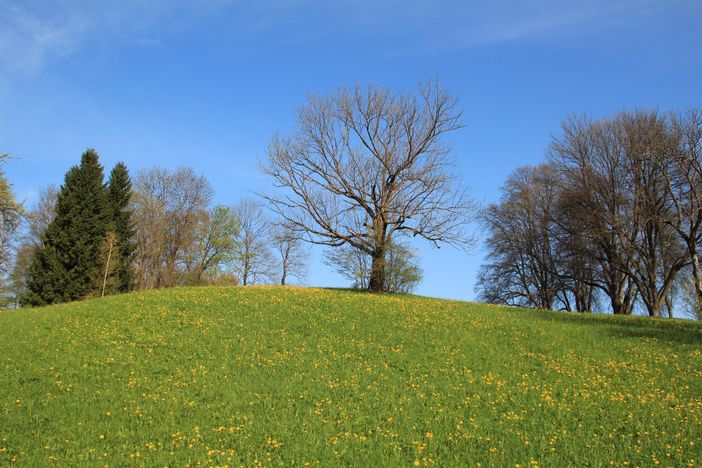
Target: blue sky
[[207, 83]]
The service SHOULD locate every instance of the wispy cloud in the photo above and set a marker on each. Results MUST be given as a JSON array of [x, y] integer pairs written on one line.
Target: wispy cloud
[[33, 34], [28, 40], [400, 27], [426, 26]]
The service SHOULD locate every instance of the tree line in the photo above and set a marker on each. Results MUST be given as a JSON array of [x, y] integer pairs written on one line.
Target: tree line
[[91, 238], [363, 169], [613, 218]]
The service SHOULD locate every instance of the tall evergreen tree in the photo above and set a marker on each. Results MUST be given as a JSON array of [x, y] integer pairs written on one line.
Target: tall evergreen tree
[[120, 193], [67, 265]]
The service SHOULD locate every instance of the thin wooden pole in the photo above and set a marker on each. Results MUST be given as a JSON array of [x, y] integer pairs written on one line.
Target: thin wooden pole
[[107, 266]]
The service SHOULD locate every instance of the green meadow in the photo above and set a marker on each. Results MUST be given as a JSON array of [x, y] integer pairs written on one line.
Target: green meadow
[[298, 377]]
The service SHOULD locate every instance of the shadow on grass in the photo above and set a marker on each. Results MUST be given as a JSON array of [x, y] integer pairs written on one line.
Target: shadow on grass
[[367, 292], [353, 290], [674, 331]]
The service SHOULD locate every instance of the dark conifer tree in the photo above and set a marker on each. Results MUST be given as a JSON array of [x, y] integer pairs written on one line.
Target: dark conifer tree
[[120, 192], [67, 265]]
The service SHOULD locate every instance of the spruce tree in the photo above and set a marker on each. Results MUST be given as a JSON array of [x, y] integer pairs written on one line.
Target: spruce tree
[[120, 192], [67, 265]]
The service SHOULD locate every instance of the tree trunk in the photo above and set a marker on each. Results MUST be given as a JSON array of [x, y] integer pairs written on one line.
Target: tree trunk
[[621, 299], [286, 258], [200, 272], [583, 297], [652, 308], [697, 275], [669, 306], [377, 276], [618, 307]]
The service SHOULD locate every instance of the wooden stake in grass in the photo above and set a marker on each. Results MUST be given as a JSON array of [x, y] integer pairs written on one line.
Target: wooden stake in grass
[[110, 241]]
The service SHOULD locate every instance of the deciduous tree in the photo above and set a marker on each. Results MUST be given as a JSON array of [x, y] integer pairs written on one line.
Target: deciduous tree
[[682, 178], [41, 214], [10, 218], [253, 260], [214, 247], [168, 208], [368, 165], [597, 170], [523, 260], [291, 255], [402, 271]]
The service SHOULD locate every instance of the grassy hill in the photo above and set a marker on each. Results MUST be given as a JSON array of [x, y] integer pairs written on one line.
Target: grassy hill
[[296, 376]]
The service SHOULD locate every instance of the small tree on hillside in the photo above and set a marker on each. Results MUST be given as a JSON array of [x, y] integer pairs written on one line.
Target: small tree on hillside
[[291, 254], [253, 261], [366, 166], [215, 246], [402, 271], [352, 264], [19, 277]]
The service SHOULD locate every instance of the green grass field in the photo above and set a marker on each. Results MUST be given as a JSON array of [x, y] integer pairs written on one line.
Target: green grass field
[[292, 376]]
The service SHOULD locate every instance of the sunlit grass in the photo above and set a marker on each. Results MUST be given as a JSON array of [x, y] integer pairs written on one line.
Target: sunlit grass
[[269, 376]]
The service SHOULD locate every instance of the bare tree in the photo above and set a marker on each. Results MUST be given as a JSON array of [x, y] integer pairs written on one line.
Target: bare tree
[[292, 256], [599, 175], [690, 300], [524, 261], [648, 143], [41, 215], [367, 165], [627, 197], [682, 177], [168, 207], [253, 261], [575, 244]]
